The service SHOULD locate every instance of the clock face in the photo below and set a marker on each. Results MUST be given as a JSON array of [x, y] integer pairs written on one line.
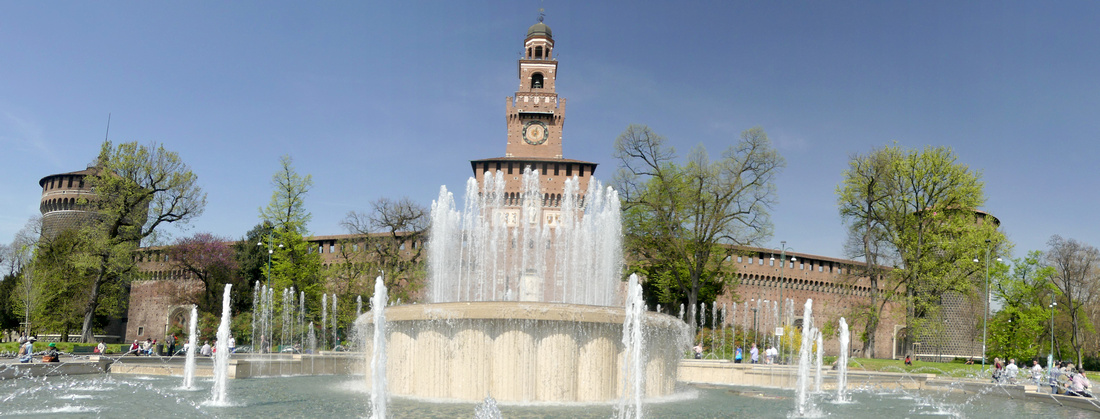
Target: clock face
[[535, 132]]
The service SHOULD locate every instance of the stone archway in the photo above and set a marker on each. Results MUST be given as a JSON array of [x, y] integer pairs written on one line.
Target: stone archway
[[178, 320]]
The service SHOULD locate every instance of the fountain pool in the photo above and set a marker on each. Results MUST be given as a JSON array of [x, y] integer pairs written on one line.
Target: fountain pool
[[347, 396]]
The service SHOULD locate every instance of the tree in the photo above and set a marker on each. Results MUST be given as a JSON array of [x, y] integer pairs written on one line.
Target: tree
[[392, 235], [293, 261], [62, 276], [862, 199], [138, 190], [287, 210], [26, 295], [916, 210], [1019, 330], [682, 219], [1076, 275], [213, 261]]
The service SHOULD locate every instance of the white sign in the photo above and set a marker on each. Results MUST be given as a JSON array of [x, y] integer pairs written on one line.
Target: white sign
[[779, 331]]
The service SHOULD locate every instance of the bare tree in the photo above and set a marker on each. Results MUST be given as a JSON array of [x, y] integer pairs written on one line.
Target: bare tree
[[681, 219], [393, 233], [1077, 273]]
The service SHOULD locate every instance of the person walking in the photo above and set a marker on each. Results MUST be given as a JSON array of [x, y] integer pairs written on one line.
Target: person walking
[[754, 354], [1011, 370], [737, 356]]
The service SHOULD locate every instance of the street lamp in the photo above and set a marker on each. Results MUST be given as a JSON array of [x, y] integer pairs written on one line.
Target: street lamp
[[782, 282], [1052, 304], [985, 317], [270, 250], [754, 335]]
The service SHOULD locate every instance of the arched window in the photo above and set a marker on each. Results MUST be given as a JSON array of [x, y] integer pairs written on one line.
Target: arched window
[[536, 81]]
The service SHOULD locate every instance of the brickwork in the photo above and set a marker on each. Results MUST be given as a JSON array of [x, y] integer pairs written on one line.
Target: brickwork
[[153, 302], [828, 281]]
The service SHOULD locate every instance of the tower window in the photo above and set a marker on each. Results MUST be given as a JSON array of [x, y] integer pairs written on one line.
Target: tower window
[[536, 81], [538, 52]]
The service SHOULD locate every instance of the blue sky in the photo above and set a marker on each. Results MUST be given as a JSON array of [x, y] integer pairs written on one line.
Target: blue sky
[[392, 99]]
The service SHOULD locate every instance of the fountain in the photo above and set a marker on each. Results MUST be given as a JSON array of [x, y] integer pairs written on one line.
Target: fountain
[[221, 354], [804, 405], [630, 405], [525, 306], [378, 355], [192, 339], [842, 364]]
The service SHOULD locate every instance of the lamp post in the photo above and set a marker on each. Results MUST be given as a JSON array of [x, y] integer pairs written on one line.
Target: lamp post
[[270, 251], [985, 316], [1052, 304], [782, 284], [754, 335]]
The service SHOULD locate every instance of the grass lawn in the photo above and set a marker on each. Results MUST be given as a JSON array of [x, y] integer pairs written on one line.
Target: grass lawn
[[950, 369]]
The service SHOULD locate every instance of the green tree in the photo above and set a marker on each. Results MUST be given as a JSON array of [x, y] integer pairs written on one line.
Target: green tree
[[294, 262], [685, 217], [915, 210], [62, 277], [862, 199], [138, 189], [1077, 276], [287, 210], [1021, 328]]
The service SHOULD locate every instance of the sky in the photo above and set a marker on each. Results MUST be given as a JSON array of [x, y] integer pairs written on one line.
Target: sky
[[393, 99]]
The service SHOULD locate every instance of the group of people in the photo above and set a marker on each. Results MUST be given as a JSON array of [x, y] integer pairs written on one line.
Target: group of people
[[1005, 374], [1064, 378], [770, 354], [26, 351], [143, 348]]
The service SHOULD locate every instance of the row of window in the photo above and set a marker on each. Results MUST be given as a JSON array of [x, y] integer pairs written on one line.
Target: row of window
[[803, 284], [821, 266], [60, 181], [545, 168]]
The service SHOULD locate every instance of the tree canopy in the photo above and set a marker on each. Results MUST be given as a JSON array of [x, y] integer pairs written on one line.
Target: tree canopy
[[682, 218]]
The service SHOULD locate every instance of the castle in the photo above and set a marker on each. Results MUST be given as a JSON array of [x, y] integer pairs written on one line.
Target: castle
[[535, 117]]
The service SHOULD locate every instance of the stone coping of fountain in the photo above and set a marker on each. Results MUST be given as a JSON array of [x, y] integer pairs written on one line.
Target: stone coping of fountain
[[46, 369], [519, 310], [724, 372]]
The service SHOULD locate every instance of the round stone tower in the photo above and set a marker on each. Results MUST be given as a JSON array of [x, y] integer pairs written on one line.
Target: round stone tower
[[61, 205]]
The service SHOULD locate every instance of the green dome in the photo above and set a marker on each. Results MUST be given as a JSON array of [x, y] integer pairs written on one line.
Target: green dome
[[539, 29]]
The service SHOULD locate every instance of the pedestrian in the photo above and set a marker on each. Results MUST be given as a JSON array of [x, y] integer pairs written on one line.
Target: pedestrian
[[205, 351], [1011, 370], [232, 345], [698, 351], [171, 345], [754, 354], [1036, 372], [737, 356]]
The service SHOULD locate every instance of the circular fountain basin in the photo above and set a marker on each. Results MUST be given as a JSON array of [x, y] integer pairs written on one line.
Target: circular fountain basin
[[520, 351]]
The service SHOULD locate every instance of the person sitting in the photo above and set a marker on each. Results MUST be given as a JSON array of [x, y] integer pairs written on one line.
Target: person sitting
[[970, 361], [908, 361], [26, 351], [698, 351], [1079, 384], [52, 355]]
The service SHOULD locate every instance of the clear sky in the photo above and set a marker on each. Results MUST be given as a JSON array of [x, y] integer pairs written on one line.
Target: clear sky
[[393, 98]]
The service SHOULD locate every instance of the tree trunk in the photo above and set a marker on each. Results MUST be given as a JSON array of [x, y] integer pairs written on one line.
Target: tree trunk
[[89, 311]]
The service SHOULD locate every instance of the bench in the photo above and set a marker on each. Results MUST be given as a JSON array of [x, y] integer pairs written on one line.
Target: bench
[[82, 350]]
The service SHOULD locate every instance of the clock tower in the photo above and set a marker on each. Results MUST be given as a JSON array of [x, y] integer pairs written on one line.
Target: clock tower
[[536, 114], [534, 118]]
